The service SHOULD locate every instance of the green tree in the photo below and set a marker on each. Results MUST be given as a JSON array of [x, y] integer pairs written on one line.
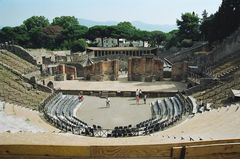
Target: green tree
[[36, 40], [7, 34], [126, 30], [115, 32], [21, 35], [17, 34], [78, 45], [98, 31], [172, 39], [34, 26], [65, 21], [72, 30], [203, 26], [52, 36], [225, 21], [36, 22], [145, 36], [158, 37], [204, 15], [189, 26]]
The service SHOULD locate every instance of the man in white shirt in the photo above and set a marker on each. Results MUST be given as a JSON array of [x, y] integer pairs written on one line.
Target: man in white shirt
[[107, 102]]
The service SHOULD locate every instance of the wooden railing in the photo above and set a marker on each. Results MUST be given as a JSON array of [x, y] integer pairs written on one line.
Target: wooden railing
[[192, 150]]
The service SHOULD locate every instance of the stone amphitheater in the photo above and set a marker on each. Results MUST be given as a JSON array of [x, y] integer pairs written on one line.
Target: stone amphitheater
[[196, 117]]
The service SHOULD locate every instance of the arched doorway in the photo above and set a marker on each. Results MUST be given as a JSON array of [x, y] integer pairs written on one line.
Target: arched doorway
[[50, 84]]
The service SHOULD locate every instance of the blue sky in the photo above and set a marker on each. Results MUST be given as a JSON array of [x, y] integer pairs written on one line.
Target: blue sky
[[13, 12]]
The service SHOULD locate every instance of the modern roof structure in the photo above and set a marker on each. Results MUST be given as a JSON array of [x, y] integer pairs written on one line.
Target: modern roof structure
[[120, 48], [125, 51]]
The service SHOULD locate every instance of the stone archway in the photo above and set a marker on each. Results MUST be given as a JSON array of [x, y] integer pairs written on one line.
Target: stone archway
[[50, 84], [189, 85]]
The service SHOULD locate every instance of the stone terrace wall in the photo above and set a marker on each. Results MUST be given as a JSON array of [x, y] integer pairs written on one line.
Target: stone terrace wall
[[145, 69], [187, 54], [19, 51]]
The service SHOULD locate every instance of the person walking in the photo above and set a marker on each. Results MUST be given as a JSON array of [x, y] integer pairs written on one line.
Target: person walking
[[137, 100], [137, 93], [81, 98], [140, 93], [145, 98], [107, 102]]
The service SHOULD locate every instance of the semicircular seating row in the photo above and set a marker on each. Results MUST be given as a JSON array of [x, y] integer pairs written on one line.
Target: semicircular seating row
[[165, 113], [59, 111]]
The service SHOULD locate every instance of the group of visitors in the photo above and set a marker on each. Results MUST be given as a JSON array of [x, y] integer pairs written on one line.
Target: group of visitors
[[139, 95]]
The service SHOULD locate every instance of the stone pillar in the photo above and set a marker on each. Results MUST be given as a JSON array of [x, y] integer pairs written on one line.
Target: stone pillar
[[116, 69], [129, 69], [62, 69], [100, 65], [50, 69], [143, 68], [185, 70], [75, 72]]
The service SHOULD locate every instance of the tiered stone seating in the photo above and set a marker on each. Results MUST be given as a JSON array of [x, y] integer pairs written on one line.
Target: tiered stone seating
[[59, 111], [225, 67], [165, 113], [16, 63], [218, 94], [219, 123], [13, 89], [162, 109]]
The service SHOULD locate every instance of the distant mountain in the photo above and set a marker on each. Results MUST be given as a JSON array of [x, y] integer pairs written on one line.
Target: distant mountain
[[90, 23], [137, 24], [152, 27]]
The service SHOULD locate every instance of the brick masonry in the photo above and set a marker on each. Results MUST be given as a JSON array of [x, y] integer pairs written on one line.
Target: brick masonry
[[145, 69]]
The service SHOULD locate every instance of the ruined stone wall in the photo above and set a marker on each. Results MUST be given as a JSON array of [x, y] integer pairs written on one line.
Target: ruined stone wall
[[179, 71], [158, 69], [101, 71], [69, 71], [145, 69], [136, 69]]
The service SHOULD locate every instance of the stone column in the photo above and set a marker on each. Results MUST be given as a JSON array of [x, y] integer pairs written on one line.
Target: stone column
[[143, 72], [129, 69]]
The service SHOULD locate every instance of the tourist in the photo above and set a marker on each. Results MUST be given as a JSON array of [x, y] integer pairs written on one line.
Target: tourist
[[107, 102], [145, 98], [81, 98], [121, 71], [137, 93], [140, 93], [137, 100]]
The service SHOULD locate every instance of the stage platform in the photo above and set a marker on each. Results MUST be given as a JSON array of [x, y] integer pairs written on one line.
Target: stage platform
[[123, 111], [119, 88]]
